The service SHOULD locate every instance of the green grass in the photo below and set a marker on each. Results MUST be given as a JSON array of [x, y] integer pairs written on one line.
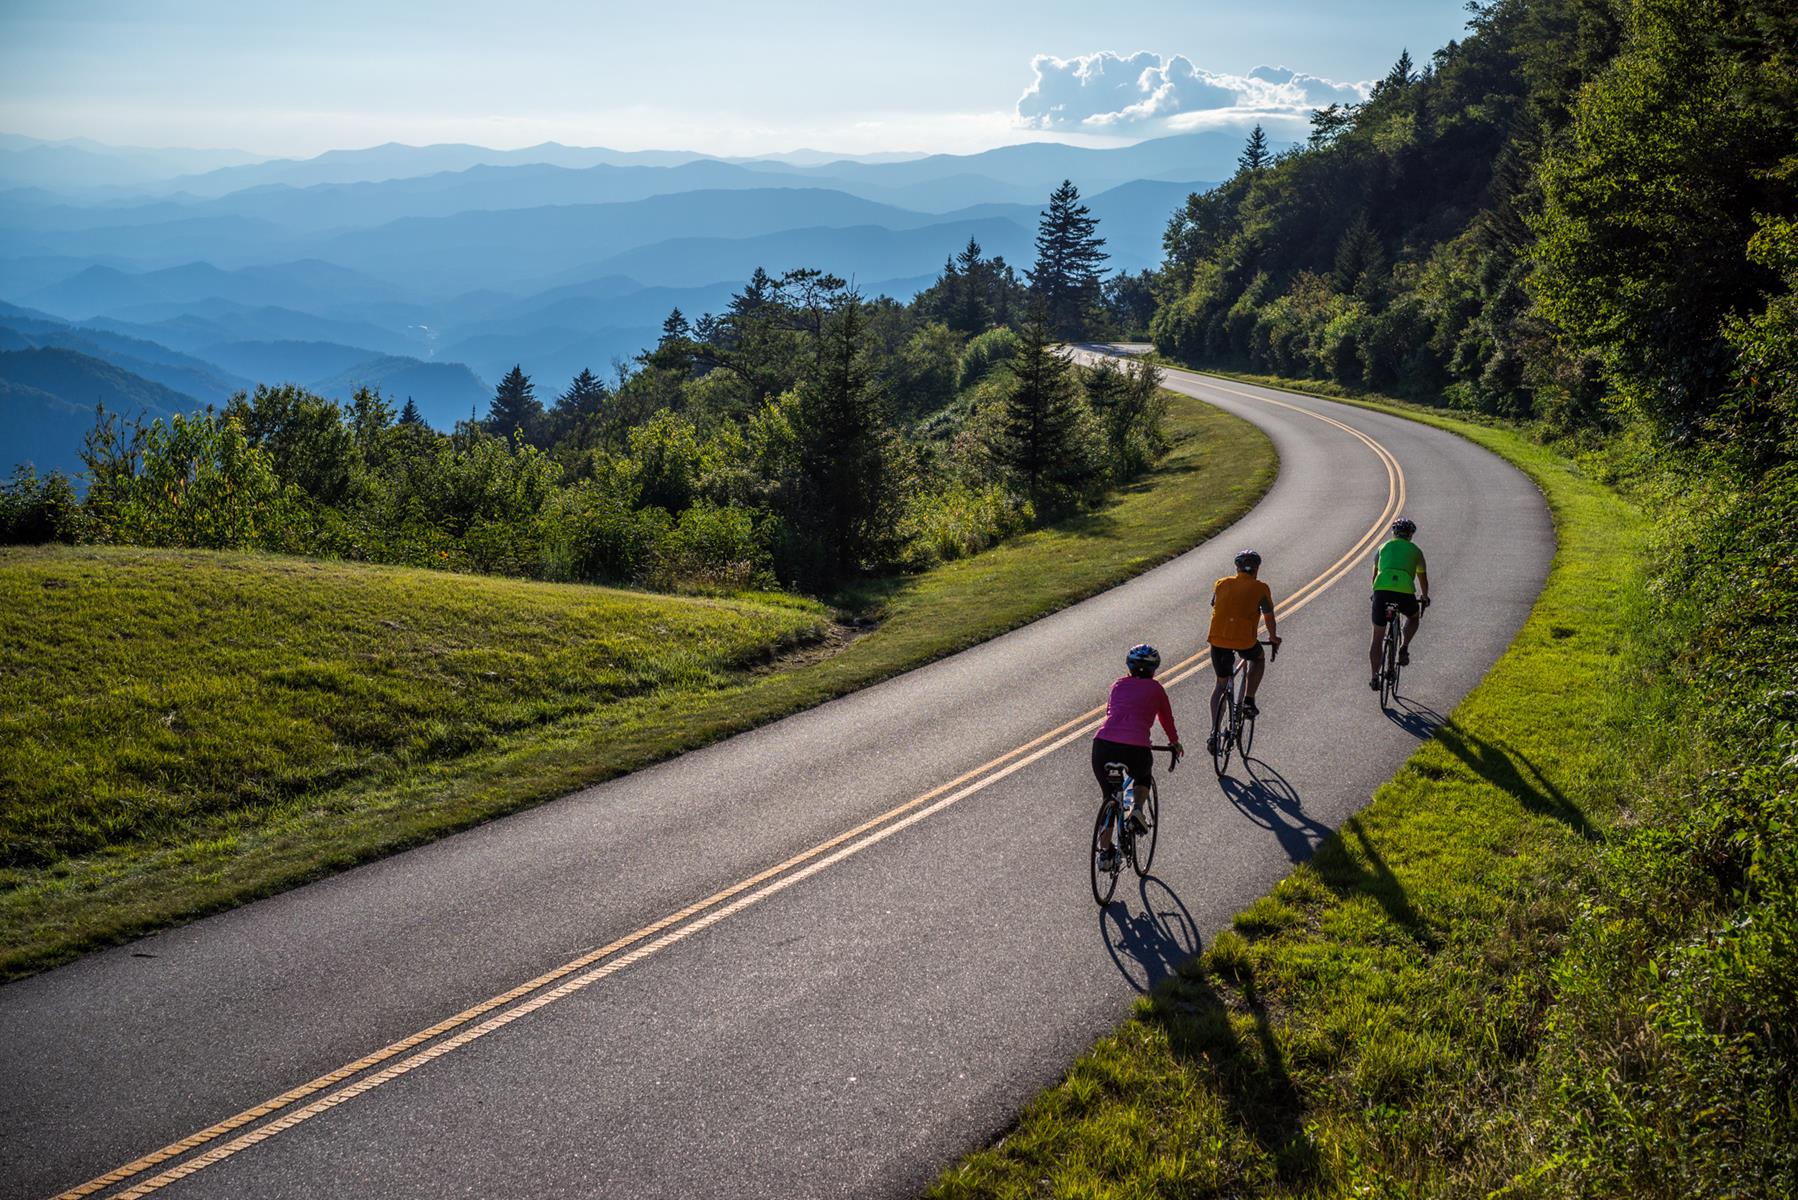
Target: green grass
[[181, 732], [1368, 1027]]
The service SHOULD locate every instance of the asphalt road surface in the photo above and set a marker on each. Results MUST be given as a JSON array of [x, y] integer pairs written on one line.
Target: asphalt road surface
[[822, 958]]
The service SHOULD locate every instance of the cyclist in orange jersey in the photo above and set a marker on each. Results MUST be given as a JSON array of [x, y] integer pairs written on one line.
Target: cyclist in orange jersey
[[1239, 603]]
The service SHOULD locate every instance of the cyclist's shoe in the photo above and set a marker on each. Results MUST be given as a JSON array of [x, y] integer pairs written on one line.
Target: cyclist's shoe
[[1374, 683], [1249, 709], [1404, 656], [1108, 860], [1137, 823], [1211, 744]]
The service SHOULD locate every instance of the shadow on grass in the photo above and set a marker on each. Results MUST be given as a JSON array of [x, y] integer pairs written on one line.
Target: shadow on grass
[[1269, 800], [1243, 1059], [1512, 772], [1151, 943]]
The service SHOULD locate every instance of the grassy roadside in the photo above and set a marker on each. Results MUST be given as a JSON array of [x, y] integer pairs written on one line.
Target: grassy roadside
[[1367, 1028], [388, 742]]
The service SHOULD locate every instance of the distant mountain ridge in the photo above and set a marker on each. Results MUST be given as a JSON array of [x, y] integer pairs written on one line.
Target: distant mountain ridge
[[428, 270]]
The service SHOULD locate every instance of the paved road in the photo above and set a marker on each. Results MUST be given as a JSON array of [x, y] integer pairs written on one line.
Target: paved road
[[836, 1013]]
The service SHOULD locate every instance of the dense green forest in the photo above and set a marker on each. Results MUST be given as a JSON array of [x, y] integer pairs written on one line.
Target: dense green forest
[[803, 437], [1584, 216]]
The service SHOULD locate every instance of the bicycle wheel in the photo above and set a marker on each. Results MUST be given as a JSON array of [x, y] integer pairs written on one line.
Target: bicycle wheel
[[1220, 759], [1104, 882], [1142, 846], [1248, 736], [1389, 675]]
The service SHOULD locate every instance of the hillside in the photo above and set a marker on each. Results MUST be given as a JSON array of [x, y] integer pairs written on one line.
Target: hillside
[[49, 399]]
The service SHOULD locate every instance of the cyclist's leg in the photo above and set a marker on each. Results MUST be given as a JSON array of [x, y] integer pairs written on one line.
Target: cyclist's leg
[[1257, 668], [1222, 663], [1104, 754], [1375, 647]]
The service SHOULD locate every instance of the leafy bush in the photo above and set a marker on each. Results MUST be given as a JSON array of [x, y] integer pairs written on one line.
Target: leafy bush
[[958, 521], [985, 352], [711, 547], [193, 481], [36, 510]]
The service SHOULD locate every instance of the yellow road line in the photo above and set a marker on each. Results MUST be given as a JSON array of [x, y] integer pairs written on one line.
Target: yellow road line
[[739, 895]]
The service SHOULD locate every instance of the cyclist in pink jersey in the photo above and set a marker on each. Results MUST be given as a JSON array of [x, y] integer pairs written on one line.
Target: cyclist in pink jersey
[[1136, 702]]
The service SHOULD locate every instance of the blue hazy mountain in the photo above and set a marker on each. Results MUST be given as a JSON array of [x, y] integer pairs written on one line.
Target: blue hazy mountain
[[99, 290], [48, 397], [79, 164], [860, 252], [194, 327], [513, 247], [446, 392], [204, 380]]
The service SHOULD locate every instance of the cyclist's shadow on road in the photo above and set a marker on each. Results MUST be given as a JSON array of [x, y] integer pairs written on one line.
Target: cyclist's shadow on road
[[1148, 940], [1268, 799], [1415, 717]]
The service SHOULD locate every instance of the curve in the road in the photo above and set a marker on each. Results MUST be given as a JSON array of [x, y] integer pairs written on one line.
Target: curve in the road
[[399, 1057], [732, 899]]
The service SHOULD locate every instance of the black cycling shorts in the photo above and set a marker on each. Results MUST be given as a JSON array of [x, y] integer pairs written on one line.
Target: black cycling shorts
[[1406, 602], [1224, 661], [1138, 760]]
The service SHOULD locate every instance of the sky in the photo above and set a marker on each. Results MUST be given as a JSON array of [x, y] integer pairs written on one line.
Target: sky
[[735, 77]]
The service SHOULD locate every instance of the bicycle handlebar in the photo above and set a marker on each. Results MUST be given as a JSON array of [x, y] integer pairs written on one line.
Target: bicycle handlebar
[[1173, 760], [1275, 647]]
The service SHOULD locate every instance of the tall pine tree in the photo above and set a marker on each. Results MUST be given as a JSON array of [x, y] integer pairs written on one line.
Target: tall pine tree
[[848, 497], [1044, 443], [577, 408], [1255, 155], [1069, 253], [515, 407], [970, 313]]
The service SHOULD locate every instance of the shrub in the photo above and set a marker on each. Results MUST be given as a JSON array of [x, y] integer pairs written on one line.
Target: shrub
[[958, 521], [711, 547], [36, 510], [985, 352], [194, 481]]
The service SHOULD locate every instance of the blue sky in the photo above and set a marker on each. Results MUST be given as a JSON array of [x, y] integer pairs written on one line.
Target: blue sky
[[745, 77]]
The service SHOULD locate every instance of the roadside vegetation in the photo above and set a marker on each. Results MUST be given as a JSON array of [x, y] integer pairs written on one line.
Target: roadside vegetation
[[1558, 954], [185, 730]]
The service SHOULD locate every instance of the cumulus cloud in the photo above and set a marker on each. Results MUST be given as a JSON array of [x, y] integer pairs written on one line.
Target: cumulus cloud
[[1107, 92]]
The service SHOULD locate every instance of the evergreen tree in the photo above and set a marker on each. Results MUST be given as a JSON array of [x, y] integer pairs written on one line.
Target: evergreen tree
[[1043, 441], [1360, 261], [515, 407], [970, 312], [410, 415], [1401, 75], [575, 409], [848, 496], [1069, 253], [675, 328], [1255, 155]]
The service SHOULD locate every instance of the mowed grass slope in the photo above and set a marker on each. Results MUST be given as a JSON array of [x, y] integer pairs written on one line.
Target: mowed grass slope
[[156, 702], [184, 732]]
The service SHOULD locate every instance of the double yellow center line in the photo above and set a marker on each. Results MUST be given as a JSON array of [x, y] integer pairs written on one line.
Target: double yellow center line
[[404, 1056]]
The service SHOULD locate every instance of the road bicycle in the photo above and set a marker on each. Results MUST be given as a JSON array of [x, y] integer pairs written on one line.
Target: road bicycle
[[1135, 823], [1237, 729], [1389, 652]]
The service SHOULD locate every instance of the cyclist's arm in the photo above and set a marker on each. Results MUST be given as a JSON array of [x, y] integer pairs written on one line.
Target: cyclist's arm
[[1267, 614], [1423, 579], [1164, 712]]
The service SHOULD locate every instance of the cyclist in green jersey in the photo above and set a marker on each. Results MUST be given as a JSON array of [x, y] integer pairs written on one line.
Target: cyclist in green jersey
[[1399, 579]]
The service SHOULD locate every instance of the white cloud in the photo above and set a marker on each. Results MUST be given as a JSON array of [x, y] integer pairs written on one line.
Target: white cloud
[[1107, 92]]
